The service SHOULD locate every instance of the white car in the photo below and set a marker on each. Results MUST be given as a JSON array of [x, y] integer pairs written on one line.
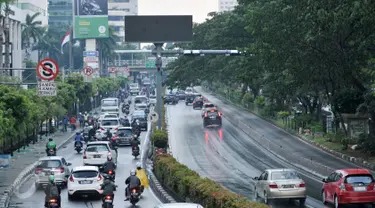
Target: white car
[[96, 153], [55, 165], [85, 180], [110, 123], [179, 205], [99, 134], [153, 99]]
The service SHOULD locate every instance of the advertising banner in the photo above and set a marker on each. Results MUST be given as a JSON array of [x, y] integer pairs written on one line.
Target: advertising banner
[[91, 19]]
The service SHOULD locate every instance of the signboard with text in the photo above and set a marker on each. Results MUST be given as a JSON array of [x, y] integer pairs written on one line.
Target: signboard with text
[[47, 88]]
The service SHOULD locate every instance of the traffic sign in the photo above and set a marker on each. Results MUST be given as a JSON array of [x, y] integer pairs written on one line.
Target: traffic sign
[[88, 59], [90, 53], [47, 69], [112, 69], [153, 116], [150, 64], [47, 88], [88, 70]]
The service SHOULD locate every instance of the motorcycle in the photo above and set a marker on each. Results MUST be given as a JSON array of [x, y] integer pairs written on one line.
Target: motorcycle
[[52, 203], [51, 152], [78, 147], [135, 152], [134, 196], [127, 111], [107, 202], [86, 137], [111, 174]]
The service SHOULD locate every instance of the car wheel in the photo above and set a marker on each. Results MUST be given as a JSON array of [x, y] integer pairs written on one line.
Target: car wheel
[[266, 200], [324, 197], [336, 202], [70, 197], [302, 202]]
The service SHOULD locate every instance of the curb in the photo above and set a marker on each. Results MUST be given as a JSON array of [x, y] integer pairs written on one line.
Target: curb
[[4, 199], [158, 189], [355, 160]]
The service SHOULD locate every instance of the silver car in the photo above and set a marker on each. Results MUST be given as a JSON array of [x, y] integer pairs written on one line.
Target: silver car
[[124, 135], [56, 166], [179, 205], [280, 184]]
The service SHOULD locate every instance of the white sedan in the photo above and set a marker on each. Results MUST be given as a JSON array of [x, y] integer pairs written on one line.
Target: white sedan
[[85, 180]]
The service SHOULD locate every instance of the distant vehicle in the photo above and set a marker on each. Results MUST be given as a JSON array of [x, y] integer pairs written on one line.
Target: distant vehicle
[[170, 99], [212, 118], [142, 121], [110, 106], [143, 107], [189, 90], [85, 180], [110, 123], [153, 100], [124, 135], [181, 95], [275, 184], [198, 103], [189, 98], [141, 99], [96, 153], [207, 107], [179, 205], [55, 165], [134, 88], [349, 186]]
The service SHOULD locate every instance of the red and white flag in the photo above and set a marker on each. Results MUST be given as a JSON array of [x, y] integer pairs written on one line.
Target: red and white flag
[[65, 40]]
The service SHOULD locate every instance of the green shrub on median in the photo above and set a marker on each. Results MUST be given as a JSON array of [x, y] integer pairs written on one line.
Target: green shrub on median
[[188, 184], [160, 139]]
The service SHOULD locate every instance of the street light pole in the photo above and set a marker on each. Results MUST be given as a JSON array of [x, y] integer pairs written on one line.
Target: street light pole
[[159, 101]]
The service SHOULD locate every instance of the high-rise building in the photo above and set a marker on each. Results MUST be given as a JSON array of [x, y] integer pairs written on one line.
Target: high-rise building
[[227, 5], [117, 9], [60, 12], [33, 6]]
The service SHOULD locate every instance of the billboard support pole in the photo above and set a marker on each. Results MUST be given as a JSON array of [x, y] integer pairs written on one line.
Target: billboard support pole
[[159, 89]]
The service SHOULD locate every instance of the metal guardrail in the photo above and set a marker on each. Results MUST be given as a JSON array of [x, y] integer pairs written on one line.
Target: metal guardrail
[[139, 63]]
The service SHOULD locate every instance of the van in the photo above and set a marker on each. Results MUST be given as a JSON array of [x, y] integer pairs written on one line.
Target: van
[[134, 88], [110, 106]]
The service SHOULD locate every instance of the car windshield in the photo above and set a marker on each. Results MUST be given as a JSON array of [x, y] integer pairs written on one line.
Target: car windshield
[[85, 174], [110, 116], [109, 103], [153, 97], [96, 148], [109, 110], [140, 118], [49, 164], [352, 179], [124, 132], [209, 105], [140, 100], [284, 175], [141, 106], [110, 123]]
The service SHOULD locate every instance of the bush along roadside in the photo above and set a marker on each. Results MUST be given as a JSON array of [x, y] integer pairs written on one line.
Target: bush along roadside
[[187, 184]]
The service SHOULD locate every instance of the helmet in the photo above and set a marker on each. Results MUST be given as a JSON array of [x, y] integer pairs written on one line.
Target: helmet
[[78, 133], [139, 165], [51, 178], [86, 124], [109, 157], [50, 139], [132, 172]]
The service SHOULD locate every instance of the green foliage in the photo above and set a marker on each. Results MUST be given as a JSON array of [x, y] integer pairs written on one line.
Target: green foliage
[[283, 114], [260, 101], [247, 99], [188, 184], [160, 138]]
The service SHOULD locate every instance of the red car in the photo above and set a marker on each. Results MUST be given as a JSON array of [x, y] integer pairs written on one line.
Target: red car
[[349, 186]]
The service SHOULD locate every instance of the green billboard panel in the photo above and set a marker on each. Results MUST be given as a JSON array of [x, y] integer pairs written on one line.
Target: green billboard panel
[[150, 64], [90, 27]]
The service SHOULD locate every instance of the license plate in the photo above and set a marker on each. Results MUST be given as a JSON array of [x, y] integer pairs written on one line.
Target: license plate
[[124, 139], [47, 173], [288, 186], [212, 117], [360, 188], [108, 200], [97, 156], [85, 182]]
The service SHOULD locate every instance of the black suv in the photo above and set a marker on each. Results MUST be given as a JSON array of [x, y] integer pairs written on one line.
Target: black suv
[[189, 99], [198, 103], [171, 99], [212, 117]]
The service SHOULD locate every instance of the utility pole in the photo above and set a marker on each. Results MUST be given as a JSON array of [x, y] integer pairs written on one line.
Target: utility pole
[[7, 40], [159, 101]]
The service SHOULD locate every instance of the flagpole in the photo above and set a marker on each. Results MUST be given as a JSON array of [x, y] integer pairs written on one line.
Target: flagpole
[[71, 64]]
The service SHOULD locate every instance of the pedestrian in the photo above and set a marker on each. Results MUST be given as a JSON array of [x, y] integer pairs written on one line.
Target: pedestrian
[[81, 120], [73, 121], [65, 123]]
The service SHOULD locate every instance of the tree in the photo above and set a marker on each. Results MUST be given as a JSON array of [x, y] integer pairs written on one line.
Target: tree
[[31, 32], [50, 43]]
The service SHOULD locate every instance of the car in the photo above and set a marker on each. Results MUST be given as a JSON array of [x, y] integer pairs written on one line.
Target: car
[[142, 121], [206, 107], [181, 95], [138, 113], [170, 99], [212, 118], [110, 116], [198, 103], [96, 153], [85, 180], [189, 98], [142, 107], [179, 205], [275, 184], [189, 90], [110, 123], [141, 99], [153, 100], [349, 186], [123, 136], [55, 165]]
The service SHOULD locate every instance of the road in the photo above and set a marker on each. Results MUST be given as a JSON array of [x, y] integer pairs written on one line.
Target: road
[[227, 156], [28, 197]]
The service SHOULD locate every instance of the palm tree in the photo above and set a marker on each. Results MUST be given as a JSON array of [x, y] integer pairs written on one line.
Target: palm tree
[[49, 43], [31, 32]]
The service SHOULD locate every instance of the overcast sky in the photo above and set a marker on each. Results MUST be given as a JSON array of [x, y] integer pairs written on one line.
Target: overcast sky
[[198, 8]]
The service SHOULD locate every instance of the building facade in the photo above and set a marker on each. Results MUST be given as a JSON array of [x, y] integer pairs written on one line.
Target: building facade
[[227, 5], [117, 10], [60, 12], [33, 6]]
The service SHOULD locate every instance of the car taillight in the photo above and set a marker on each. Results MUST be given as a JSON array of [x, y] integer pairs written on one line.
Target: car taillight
[[71, 178], [219, 114], [205, 114], [101, 128], [38, 170], [100, 178], [60, 169], [273, 186], [193, 103], [84, 155], [134, 148], [342, 187], [53, 201], [116, 128], [132, 135], [108, 197], [302, 185]]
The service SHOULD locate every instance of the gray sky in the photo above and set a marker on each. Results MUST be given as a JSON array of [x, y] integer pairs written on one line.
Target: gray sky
[[198, 8]]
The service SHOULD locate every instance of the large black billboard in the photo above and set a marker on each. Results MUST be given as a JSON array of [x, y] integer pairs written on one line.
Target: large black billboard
[[159, 29], [91, 7]]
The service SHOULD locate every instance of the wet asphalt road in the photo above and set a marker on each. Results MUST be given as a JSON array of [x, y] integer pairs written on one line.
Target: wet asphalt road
[[227, 155], [28, 197]]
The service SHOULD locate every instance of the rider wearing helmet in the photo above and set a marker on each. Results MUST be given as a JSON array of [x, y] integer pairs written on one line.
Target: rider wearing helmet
[[52, 191], [109, 135], [78, 138], [109, 165], [108, 187], [135, 143], [50, 145], [132, 182]]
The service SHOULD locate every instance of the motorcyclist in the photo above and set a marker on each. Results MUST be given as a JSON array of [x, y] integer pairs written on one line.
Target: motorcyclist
[[52, 191], [108, 187], [78, 138], [132, 182], [91, 132], [109, 165], [108, 134], [50, 145], [135, 143]]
